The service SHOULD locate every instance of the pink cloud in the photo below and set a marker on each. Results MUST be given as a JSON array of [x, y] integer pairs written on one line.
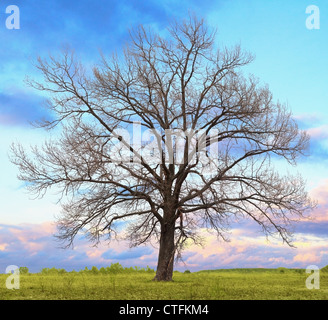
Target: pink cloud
[[307, 117], [320, 195], [3, 246], [29, 235], [320, 192], [250, 250], [320, 132], [33, 245], [307, 258]]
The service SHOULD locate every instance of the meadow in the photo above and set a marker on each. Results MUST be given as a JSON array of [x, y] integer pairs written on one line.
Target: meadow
[[118, 283]]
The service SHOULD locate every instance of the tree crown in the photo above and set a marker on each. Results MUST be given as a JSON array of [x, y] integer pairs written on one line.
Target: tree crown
[[199, 152]]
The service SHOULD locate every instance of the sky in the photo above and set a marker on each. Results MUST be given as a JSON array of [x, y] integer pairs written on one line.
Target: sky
[[291, 58]]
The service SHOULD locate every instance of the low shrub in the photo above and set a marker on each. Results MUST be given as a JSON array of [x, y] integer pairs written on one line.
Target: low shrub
[[282, 269], [23, 270], [114, 268], [94, 270], [53, 271]]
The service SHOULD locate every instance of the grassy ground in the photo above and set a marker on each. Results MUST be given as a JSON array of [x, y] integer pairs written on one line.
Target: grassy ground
[[239, 284]]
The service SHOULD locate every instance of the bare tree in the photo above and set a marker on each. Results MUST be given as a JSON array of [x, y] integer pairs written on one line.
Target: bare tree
[[211, 135]]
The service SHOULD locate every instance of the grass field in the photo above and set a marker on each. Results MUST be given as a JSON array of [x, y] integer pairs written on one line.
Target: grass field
[[236, 284]]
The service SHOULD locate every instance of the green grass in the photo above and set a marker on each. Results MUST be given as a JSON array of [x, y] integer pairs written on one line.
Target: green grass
[[236, 284]]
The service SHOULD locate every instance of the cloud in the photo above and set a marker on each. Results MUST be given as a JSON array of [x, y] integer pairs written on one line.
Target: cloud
[[307, 258], [316, 227], [315, 124], [319, 141], [87, 27], [47, 26], [257, 252], [33, 246], [306, 119], [21, 108], [318, 133], [135, 253]]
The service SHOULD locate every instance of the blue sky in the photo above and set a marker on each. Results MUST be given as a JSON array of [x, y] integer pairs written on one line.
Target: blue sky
[[291, 59]]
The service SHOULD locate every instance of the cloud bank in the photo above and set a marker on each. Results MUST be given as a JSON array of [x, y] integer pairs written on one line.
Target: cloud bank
[[34, 246]]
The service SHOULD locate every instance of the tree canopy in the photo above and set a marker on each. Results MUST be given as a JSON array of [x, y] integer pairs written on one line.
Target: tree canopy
[[169, 136]]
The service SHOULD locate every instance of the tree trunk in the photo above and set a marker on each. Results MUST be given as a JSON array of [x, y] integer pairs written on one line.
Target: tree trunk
[[166, 253]]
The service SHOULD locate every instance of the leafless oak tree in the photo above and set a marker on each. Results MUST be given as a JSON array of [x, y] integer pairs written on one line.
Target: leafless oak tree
[[212, 135]]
